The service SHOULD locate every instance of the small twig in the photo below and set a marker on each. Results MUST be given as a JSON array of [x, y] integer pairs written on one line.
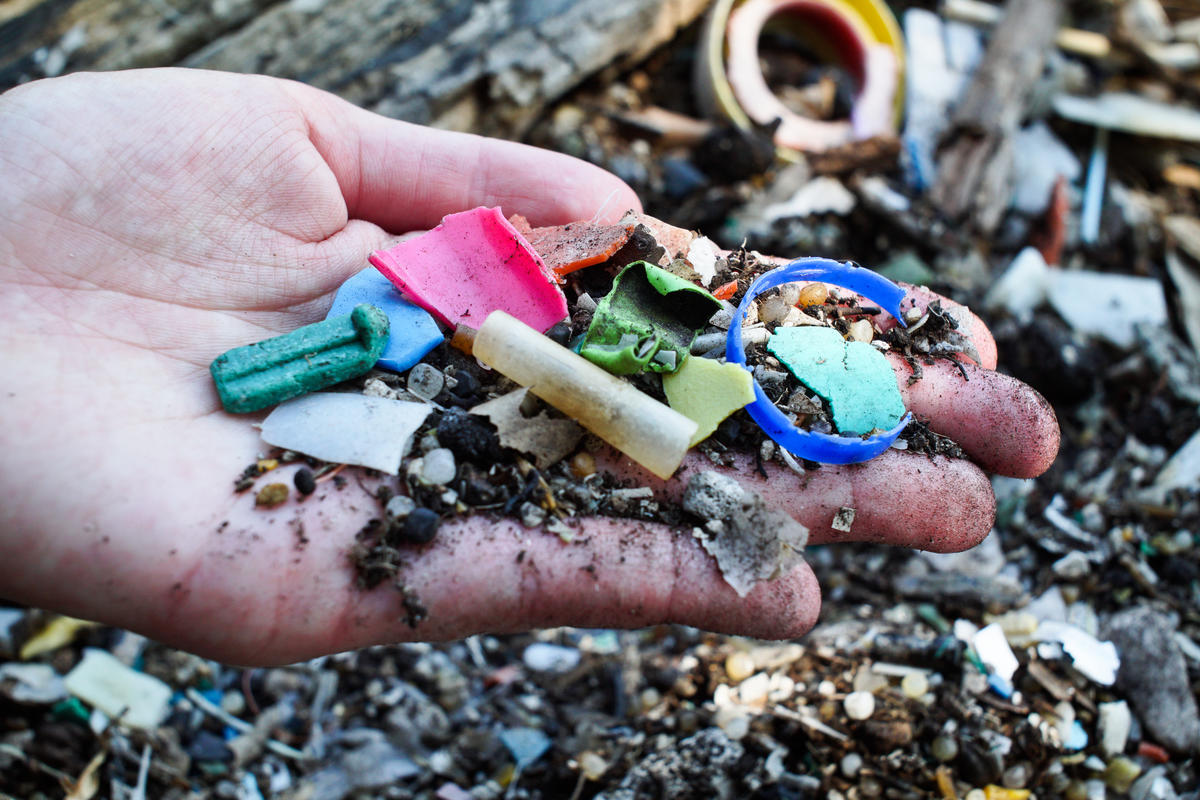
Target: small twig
[[241, 726], [326, 473], [139, 791]]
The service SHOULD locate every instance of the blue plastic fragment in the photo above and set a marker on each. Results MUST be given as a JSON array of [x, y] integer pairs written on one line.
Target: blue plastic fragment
[[820, 447], [526, 745], [413, 330], [1077, 737], [1000, 686]]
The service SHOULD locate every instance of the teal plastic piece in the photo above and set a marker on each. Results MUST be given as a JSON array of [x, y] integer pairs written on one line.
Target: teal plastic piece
[[647, 322], [852, 377], [314, 357]]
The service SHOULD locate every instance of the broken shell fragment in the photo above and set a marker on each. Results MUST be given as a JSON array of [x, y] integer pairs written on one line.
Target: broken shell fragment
[[639, 426]]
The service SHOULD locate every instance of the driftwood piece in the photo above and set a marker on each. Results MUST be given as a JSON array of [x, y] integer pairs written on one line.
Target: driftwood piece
[[976, 155], [489, 66]]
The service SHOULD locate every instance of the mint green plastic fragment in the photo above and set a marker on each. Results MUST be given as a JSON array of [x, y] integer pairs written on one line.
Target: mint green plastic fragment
[[647, 321], [307, 359], [852, 377]]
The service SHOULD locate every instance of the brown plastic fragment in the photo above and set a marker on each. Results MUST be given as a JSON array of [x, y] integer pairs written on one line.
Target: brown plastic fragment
[[566, 248], [463, 339]]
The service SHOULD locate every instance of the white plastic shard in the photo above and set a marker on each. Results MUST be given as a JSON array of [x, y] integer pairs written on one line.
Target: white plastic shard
[[137, 699], [344, 428], [1097, 660]]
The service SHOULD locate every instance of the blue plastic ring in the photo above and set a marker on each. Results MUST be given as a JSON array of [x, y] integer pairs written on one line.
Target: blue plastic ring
[[821, 447]]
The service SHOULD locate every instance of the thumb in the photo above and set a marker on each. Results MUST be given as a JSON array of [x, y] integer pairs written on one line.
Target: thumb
[[405, 177]]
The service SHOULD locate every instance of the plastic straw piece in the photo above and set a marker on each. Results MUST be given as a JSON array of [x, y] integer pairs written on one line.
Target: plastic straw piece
[[307, 359], [639, 426], [819, 447]]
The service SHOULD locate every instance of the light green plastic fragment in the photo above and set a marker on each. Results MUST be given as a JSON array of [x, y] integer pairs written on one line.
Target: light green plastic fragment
[[647, 322], [706, 392], [852, 377]]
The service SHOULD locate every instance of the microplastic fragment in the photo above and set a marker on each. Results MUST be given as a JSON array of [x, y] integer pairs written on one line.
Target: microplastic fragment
[[647, 322], [472, 264], [347, 428], [854, 378], [413, 332], [307, 359], [707, 392]]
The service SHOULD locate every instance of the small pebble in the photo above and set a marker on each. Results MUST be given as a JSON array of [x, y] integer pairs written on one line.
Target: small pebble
[[400, 506], [739, 666], [861, 330], [914, 685], [1015, 777], [851, 764], [976, 794], [421, 526], [271, 495], [467, 386], [814, 294], [305, 483], [532, 515], [859, 705], [438, 467], [944, 748], [649, 698], [592, 765], [560, 333], [1121, 774], [735, 722], [583, 464], [266, 464], [826, 689], [426, 382]]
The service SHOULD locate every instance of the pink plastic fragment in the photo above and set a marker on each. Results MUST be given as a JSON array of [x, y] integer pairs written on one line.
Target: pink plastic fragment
[[472, 264]]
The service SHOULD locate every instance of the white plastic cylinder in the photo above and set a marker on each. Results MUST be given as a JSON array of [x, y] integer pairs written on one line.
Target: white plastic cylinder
[[649, 432]]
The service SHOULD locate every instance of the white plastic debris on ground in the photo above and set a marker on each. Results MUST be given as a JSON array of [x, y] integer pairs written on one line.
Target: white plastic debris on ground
[[1022, 287], [1182, 470], [31, 683], [137, 699], [941, 57], [982, 561], [1131, 113], [822, 195], [547, 657], [1103, 304], [702, 254], [1107, 305], [1043, 159], [991, 645], [345, 428], [1095, 659]]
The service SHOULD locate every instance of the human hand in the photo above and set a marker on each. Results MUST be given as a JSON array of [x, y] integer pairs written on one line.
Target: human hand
[[152, 220]]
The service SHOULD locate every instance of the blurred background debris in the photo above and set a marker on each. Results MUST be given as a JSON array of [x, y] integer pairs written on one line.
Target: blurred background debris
[[1036, 160]]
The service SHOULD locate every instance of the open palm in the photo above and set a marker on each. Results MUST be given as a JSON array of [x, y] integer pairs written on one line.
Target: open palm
[[151, 220]]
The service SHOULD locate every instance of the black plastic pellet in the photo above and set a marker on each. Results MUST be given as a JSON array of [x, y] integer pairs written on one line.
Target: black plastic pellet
[[305, 482], [560, 333], [421, 525], [467, 386]]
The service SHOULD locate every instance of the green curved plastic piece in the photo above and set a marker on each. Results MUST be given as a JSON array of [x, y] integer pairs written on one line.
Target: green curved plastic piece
[[314, 357], [647, 321]]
